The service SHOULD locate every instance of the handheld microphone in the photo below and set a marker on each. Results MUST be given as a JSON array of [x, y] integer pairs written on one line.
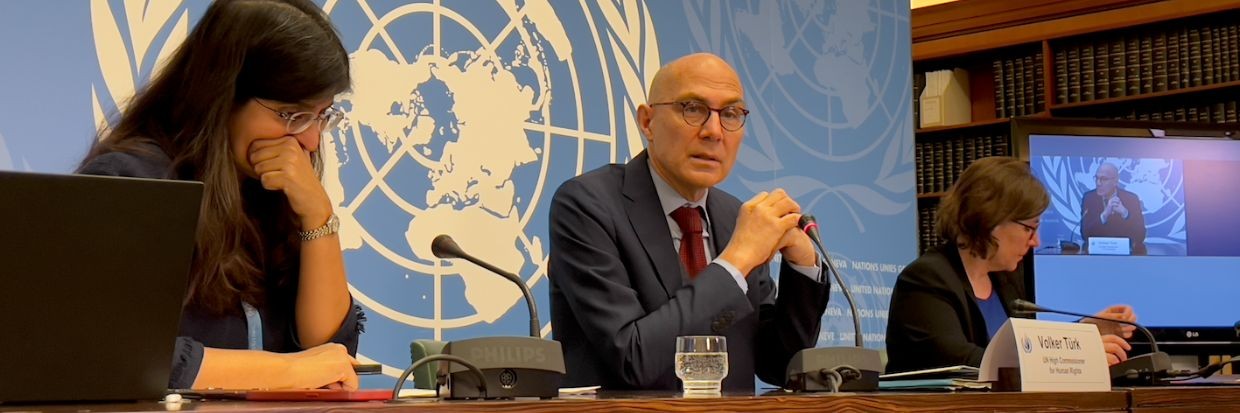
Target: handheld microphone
[[1148, 368], [507, 366], [443, 246], [834, 368]]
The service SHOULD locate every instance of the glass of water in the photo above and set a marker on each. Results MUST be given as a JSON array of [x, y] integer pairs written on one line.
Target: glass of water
[[701, 363]]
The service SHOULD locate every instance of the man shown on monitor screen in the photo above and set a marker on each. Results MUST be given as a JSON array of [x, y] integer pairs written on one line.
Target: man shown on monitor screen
[[1111, 212]]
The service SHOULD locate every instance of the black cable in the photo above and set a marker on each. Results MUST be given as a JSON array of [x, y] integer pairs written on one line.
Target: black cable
[[832, 377], [400, 382], [836, 376], [848, 372], [1206, 371]]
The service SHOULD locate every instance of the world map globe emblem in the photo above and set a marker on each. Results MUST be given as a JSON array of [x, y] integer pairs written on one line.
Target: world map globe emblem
[[825, 70], [819, 82], [464, 122]]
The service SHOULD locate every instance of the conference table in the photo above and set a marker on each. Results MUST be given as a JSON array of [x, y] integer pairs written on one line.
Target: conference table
[[1162, 399]]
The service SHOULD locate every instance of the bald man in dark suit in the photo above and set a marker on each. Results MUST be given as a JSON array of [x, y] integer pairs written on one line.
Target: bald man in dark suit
[[647, 251]]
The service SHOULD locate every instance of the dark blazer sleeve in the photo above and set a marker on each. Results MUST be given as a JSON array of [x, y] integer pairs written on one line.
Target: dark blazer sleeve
[[351, 329], [1135, 224], [637, 343], [789, 319], [924, 328], [153, 165], [186, 361], [934, 320], [1091, 215]]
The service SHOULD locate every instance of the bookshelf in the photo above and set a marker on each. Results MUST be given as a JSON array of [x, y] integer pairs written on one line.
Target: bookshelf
[[1066, 107], [962, 127], [1168, 61]]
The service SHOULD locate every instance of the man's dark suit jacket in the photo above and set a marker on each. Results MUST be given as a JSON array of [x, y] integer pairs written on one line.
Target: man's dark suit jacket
[[1132, 228], [933, 320], [619, 295]]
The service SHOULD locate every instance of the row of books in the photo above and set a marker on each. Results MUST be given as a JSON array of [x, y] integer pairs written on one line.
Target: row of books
[[1019, 85], [940, 162], [927, 238], [919, 84], [1147, 61], [1217, 112]]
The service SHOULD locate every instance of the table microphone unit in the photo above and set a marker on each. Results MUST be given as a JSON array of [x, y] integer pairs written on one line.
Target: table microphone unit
[[1071, 246], [834, 368], [1144, 370], [512, 366]]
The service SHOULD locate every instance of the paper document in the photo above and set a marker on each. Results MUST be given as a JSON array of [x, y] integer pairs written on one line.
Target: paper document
[[933, 384], [960, 371]]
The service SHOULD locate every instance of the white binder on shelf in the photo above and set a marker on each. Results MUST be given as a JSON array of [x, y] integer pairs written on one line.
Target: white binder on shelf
[[945, 100]]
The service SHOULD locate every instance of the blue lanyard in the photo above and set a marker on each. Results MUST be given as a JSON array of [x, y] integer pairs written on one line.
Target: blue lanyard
[[253, 325]]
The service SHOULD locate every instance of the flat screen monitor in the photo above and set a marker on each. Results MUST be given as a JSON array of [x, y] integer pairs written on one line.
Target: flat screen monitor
[[1140, 213]]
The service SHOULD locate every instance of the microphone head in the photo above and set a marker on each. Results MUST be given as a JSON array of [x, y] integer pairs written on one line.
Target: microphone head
[[806, 221], [444, 247], [808, 224], [1025, 306]]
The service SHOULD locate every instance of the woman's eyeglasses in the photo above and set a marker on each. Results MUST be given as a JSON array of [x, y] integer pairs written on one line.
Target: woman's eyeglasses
[[298, 122]]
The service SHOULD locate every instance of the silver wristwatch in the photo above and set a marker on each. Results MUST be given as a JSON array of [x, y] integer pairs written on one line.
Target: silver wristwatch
[[332, 225]]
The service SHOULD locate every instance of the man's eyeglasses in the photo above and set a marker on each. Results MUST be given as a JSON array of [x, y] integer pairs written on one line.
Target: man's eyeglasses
[[1032, 230], [732, 118], [300, 121]]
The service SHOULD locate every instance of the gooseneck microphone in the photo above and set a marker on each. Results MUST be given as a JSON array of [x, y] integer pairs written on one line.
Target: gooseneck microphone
[[1148, 368], [446, 248], [1026, 306], [810, 226], [1071, 245], [495, 367], [834, 368]]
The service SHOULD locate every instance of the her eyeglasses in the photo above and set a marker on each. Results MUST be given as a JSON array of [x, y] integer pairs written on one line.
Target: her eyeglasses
[[1032, 230], [298, 122]]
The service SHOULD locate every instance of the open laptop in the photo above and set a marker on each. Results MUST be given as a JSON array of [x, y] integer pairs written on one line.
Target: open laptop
[[93, 271]]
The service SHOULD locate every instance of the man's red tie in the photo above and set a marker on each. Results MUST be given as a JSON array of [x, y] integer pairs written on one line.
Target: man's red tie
[[692, 253]]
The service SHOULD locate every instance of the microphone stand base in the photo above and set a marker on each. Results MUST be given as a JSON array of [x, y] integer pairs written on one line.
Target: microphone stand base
[[511, 366], [807, 371], [1143, 370]]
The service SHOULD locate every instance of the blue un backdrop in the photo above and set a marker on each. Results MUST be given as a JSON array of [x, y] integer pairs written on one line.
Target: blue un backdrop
[[466, 115]]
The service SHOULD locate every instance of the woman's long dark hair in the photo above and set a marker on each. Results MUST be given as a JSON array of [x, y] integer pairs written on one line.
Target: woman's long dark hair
[[282, 50]]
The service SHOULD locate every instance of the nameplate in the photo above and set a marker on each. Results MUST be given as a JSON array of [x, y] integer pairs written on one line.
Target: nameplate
[[1052, 356], [1110, 246]]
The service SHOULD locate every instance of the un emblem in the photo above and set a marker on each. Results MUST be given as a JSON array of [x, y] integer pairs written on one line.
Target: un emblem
[[132, 49], [463, 120]]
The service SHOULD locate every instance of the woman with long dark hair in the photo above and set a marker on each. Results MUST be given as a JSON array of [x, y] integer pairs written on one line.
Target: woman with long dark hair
[[241, 106]]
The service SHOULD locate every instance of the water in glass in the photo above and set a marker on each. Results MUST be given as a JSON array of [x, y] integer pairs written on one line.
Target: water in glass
[[701, 363]]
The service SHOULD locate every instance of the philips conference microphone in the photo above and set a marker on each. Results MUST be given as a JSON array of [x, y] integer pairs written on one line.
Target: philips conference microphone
[[1145, 369], [443, 246], [511, 366], [834, 368]]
